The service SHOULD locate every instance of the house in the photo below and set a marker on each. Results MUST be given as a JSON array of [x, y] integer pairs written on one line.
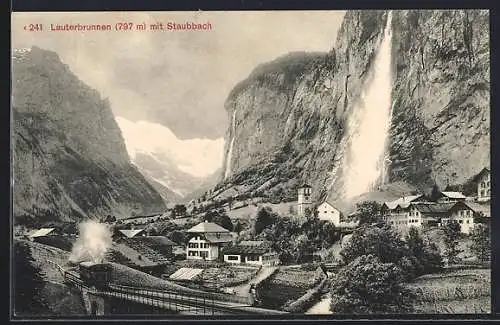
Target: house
[[463, 214], [37, 234], [428, 214], [397, 212], [451, 197], [304, 199], [207, 240], [327, 211], [159, 244], [131, 233], [482, 179], [388, 206], [251, 252]]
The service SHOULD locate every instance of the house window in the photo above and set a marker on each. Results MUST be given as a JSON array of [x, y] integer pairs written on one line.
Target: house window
[[460, 221], [204, 254], [252, 258], [467, 220], [232, 257]]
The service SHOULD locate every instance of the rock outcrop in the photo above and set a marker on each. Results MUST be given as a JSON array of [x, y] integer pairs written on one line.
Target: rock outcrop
[[69, 157]]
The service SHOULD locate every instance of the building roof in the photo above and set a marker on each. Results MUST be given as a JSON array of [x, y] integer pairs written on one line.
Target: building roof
[[350, 224], [130, 233], [481, 173], [403, 202], [185, 273], [453, 195], [207, 227], [158, 240], [479, 207], [41, 232], [253, 243], [245, 249], [425, 207], [219, 237]]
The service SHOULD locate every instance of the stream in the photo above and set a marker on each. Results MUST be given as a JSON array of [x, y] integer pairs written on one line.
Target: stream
[[322, 307]]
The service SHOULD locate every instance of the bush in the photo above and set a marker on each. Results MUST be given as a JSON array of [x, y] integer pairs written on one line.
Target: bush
[[427, 254], [451, 236], [481, 242], [368, 286]]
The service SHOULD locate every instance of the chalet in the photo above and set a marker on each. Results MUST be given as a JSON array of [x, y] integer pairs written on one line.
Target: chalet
[[451, 197], [483, 185], [403, 202], [207, 240], [131, 233], [327, 211], [38, 234], [251, 252], [397, 212], [428, 214], [463, 214]]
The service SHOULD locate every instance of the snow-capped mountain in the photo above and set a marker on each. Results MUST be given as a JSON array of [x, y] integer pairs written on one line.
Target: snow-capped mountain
[[180, 166]]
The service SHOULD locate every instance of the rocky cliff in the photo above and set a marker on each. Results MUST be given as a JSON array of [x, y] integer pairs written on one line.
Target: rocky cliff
[[291, 117], [69, 157]]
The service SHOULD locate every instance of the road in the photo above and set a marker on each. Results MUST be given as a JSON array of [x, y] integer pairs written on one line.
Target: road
[[243, 290]]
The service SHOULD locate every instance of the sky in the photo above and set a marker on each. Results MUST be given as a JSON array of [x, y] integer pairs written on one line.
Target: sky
[[178, 79]]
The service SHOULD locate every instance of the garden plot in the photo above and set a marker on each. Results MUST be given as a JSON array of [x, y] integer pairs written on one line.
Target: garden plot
[[225, 276], [458, 291]]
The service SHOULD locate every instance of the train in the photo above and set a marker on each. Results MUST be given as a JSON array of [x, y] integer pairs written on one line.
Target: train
[[98, 275]]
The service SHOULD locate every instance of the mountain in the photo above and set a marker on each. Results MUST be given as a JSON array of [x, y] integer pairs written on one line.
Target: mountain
[[402, 99], [69, 157], [176, 167]]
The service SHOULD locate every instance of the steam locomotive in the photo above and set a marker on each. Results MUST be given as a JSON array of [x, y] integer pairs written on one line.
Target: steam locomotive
[[98, 275]]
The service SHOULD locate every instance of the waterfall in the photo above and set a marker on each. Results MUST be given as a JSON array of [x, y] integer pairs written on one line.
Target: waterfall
[[369, 126], [227, 172]]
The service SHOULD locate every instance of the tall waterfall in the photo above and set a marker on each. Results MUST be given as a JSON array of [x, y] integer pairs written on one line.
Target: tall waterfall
[[370, 125], [227, 172]]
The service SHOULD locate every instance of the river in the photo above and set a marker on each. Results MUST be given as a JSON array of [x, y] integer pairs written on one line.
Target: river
[[322, 307]]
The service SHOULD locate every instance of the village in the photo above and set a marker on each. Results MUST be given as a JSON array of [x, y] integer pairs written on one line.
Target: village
[[200, 252]]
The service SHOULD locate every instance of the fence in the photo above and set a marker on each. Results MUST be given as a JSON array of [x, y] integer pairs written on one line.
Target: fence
[[192, 302]]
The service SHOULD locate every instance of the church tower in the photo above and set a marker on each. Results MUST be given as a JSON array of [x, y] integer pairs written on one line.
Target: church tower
[[304, 199]]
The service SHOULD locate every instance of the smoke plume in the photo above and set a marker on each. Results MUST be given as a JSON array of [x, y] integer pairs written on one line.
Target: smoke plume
[[94, 241]]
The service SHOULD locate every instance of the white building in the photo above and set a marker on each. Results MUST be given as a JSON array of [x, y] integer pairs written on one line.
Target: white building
[[326, 211], [483, 185], [251, 252], [207, 240], [451, 197], [304, 200]]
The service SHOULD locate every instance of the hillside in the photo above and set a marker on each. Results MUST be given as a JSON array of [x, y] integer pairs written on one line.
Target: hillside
[[69, 157]]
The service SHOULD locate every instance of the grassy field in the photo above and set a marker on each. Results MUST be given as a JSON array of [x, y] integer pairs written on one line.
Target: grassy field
[[62, 300], [455, 291], [251, 210]]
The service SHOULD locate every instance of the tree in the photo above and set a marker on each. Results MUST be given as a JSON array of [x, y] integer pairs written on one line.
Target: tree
[[264, 219], [384, 243], [427, 254], [368, 212], [179, 210], [238, 227], [481, 242], [451, 235], [435, 193], [369, 286], [28, 284]]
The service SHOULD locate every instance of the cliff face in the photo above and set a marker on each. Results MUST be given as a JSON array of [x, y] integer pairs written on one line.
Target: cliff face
[[441, 95], [291, 116], [69, 157]]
